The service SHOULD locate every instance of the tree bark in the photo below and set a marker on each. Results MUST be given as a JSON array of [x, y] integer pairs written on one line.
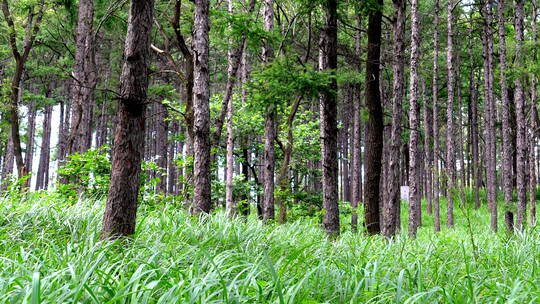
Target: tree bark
[[328, 126], [392, 199], [374, 138], [85, 80], [161, 141], [506, 135], [21, 56], [269, 123], [201, 95], [435, 92], [535, 123], [356, 174], [450, 152], [490, 114], [7, 166], [42, 177], [121, 208], [30, 139], [521, 122], [414, 125]]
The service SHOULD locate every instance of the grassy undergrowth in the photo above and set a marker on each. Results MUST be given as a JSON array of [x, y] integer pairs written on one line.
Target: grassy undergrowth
[[50, 253]]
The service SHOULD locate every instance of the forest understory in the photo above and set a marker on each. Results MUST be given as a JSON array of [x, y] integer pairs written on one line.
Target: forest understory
[[51, 253]]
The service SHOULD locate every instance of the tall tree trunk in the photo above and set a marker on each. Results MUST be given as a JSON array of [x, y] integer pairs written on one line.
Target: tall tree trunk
[[161, 141], [356, 174], [506, 135], [231, 72], [392, 199], [521, 123], [428, 150], [328, 112], [283, 176], [85, 80], [7, 166], [30, 136], [269, 123], [435, 92], [21, 56], [121, 207], [63, 130], [42, 177], [535, 124], [477, 175], [201, 91], [414, 124], [345, 160], [234, 58], [490, 114], [450, 152], [374, 138]]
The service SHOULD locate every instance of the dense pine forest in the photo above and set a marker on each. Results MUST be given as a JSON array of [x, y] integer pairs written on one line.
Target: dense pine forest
[[269, 151]]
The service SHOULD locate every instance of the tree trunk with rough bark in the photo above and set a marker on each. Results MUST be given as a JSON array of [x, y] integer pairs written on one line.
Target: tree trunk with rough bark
[[269, 123], [21, 56], [328, 126], [506, 135], [435, 92], [534, 122], [356, 171], [161, 141], [490, 114], [392, 197], [374, 138], [84, 82], [450, 152], [521, 123], [42, 177], [201, 95], [121, 208], [414, 124], [30, 139]]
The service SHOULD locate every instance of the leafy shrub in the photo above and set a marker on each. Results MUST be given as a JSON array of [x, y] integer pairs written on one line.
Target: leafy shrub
[[89, 174]]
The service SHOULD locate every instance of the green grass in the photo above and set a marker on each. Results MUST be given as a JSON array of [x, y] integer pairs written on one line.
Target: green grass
[[50, 253]]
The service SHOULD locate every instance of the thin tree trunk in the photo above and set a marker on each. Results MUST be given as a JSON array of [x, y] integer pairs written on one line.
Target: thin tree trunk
[[30, 136], [435, 91], [490, 114], [121, 207], [42, 177], [269, 123], [534, 124], [374, 138], [450, 152], [328, 126], [414, 124], [161, 141], [392, 199], [85, 80], [357, 135], [7, 166], [521, 123], [506, 135], [428, 150], [21, 56], [201, 91]]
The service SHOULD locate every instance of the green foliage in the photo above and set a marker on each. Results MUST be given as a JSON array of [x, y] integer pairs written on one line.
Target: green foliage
[[277, 83], [88, 172], [52, 253]]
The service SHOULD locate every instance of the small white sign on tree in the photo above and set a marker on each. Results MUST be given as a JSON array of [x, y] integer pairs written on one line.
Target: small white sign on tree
[[404, 193]]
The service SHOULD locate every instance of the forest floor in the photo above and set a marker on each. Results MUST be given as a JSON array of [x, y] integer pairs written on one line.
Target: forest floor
[[50, 253]]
